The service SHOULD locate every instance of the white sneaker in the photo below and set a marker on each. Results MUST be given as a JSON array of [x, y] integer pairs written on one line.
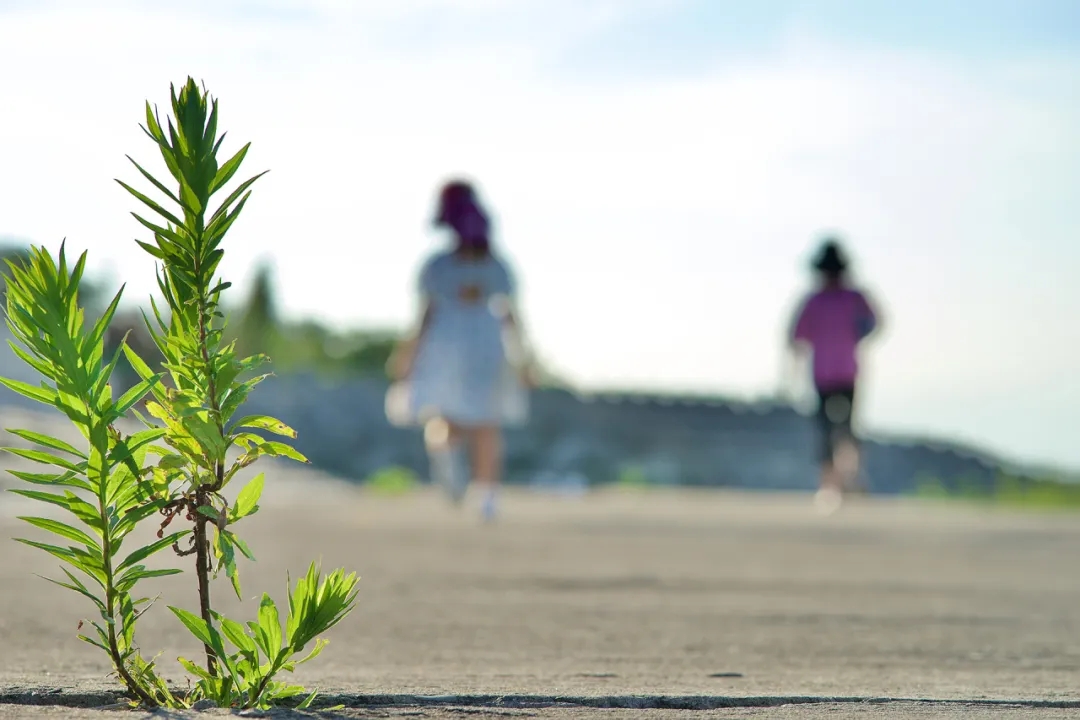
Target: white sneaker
[[488, 506], [828, 500]]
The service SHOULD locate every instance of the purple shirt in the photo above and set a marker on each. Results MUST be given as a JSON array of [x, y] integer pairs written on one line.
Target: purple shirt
[[833, 322]]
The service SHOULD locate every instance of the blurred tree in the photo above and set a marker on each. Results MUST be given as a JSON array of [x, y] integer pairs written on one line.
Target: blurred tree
[[257, 329], [363, 352]]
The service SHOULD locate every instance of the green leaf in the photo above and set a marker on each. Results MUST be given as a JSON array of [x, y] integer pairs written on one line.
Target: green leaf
[[137, 363], [49, 442], [315, 607], [217, 218], [248, 500], [277, 449], [79, 558], [44, 367], [65, 531], [152, 204], [207, 634], [237, 635], [70, 502], [96, 643], [132, 450], [206, 433], [102, 325], [225, 173], [166, 191], [135, 394], [221, 224], [152, 249], [127, 613], [195, 624], [65, 479], [236, 397], [196, 670], [307, 701], [42, 395], [264, 422], [132, 517], [320, 644], [226, 556], [270, 626], [148, 550], [189, 199], [139, 572], [240, 544], [44, 458], [77, 585], [158, 230]]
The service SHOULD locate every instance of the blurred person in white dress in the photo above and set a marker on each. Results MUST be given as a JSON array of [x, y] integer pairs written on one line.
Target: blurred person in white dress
[[464, 374]]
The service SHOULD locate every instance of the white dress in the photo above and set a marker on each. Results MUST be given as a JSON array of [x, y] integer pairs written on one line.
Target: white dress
[[464, 370]]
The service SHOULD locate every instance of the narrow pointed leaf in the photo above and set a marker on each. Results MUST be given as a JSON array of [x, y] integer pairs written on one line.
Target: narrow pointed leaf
[[153, 205], [44, 458], [264, 422], [166, 191], [276, 449], [40, 394], [65, 531], [135, 394], [49, 442], [195, 624], [247, 502], [148, 550]]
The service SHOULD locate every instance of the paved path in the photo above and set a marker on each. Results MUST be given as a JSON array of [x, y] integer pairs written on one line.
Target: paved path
[[712, 597]]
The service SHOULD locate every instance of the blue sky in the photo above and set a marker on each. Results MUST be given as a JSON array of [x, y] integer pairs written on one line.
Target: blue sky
[[691, 38], [658, 172]]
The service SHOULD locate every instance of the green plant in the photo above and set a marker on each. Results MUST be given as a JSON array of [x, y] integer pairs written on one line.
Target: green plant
[[1008, 491], [100, 484], [194, 411], [314, 607], [632, 477], [393, 481]]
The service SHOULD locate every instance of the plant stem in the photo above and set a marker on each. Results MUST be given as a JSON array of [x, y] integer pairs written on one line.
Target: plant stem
[[215, 407], [110, 588], [202, 570], [266, 678], [114, 651], [202, 544]]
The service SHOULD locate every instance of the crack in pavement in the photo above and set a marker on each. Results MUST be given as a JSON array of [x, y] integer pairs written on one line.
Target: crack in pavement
[[63, 698]]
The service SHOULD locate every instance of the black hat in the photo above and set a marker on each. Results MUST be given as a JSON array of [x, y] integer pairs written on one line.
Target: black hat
[[830, 258]]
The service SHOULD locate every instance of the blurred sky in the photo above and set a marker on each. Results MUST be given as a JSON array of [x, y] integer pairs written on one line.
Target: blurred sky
[[659, 173]]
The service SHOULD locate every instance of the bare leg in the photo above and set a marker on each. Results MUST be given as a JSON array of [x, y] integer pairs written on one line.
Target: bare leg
[[831, 486], [443, 441], [487, 454], [830, 478], [487, 457], [847, 465]]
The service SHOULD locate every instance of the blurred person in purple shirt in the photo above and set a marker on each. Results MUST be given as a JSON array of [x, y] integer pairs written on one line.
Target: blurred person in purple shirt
[[831, 324]]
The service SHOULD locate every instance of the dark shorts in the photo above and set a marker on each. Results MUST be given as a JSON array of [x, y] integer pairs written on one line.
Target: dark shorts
[[834, 418]]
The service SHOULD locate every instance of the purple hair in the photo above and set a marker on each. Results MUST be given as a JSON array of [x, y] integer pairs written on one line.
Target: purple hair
[[459, 209]]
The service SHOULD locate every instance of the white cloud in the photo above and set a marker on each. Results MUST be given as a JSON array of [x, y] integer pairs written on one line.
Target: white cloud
[[672, 217]]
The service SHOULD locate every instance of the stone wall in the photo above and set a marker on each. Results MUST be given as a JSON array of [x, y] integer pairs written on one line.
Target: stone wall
[[343, 430]]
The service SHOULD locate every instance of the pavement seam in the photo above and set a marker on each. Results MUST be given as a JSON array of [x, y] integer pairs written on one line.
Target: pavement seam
[[639, 702]]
